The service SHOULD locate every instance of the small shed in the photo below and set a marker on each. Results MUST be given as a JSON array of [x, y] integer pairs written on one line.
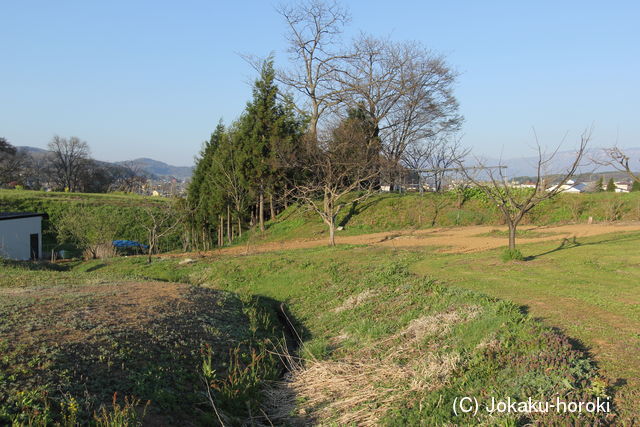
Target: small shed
[[21, 235]]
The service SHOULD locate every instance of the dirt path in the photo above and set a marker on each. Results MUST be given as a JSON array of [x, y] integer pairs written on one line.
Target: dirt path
[[451, 240]]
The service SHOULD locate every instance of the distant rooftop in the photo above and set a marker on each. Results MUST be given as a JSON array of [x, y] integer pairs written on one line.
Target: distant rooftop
[[15, 215]]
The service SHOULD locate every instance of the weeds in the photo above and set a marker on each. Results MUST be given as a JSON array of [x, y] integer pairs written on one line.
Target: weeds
[[511, 255]]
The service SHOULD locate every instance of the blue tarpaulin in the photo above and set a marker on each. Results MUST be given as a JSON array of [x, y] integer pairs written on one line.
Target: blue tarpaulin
[[128, 244]]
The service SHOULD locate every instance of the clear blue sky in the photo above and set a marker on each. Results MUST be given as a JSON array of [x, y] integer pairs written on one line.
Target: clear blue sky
[[152, 78]]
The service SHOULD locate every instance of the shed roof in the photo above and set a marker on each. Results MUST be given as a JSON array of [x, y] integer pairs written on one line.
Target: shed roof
[[16, 215]]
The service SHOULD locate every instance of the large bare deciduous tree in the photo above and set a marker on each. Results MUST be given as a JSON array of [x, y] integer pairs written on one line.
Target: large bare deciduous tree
[[12, 162], [406, 90], [313, 34], [69, 160], [515, 203], [158, 221]]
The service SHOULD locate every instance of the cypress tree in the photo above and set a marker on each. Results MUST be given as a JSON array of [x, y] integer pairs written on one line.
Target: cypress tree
[[599, 184], [611, 186], [268, 132]]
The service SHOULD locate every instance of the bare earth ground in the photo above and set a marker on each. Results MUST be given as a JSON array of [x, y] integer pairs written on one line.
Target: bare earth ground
[[451, 240]]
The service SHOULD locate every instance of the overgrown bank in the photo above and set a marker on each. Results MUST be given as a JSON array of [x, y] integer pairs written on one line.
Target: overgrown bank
[[384, 346], [124, 213], [387, 212]]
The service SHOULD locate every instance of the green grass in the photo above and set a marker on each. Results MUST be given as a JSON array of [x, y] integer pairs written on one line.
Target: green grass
[[356, 304], [125, 209], [358, 310], [589, 289], [388, 212]]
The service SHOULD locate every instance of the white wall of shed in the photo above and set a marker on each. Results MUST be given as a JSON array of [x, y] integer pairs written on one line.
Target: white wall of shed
[[15, 237]]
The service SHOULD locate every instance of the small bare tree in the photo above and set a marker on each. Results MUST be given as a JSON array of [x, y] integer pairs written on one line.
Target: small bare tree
[[340, 172], [415, 158], [159, 220], [446, 152], [515, 203], [620, 161]]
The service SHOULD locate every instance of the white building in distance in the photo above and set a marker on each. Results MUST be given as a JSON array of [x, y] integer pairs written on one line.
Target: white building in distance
[[570, 187]]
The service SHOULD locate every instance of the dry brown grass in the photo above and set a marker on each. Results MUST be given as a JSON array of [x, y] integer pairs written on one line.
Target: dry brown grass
[[355, 300], [360, 389]]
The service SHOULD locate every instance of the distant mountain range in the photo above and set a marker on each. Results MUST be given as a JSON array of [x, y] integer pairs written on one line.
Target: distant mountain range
[[159, 168], [516, 167], [526, 166], [151, 167]]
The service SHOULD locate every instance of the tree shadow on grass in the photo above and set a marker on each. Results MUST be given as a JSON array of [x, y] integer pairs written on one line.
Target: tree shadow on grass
[[571, 243], [36, 265], [356, 208], [96, 267]]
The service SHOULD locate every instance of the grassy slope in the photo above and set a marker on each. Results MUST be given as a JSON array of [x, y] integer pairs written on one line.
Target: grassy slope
[[125, 208], [386, 212], [360, 307], [590, 290]]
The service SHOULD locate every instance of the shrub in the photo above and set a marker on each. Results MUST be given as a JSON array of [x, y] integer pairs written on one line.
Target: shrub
[[511, 255]]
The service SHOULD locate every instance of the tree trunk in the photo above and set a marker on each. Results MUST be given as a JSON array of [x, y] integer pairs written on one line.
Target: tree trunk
[[220, 231], [261, 211], [512, 235], [239, 226], [332, 232], [285, 199], [272, 208], [228, 224]]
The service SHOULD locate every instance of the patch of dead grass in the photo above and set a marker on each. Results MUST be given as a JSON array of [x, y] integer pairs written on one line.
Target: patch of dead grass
[[355, 300], [359, 390]]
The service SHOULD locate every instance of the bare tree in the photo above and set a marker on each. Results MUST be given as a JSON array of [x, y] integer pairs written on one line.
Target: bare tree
[[416, 158], [620, 161], [69, 160], [159, 221], [129, 178], [405, 89], [227, 175], [515, 203], [339, 173], [12, 162], [314, 29], [446, 151]]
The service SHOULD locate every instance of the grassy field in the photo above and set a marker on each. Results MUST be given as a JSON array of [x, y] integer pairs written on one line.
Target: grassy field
[[589, 289], [386, 335], [380, 345]]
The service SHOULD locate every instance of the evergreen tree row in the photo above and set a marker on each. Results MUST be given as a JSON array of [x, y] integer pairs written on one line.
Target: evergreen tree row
[[246, 166]]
